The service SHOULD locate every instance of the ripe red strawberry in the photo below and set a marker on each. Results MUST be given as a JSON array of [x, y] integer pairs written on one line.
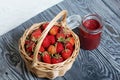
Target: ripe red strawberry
[[56, 59], [27, 42], [51, 49], [54, 30], [51, 39], [68, 45], [68, 35], [29, 46], [60, 37], [71, 40], [66, 54], [61, 30], [46, 43], [44, 26], [46, 57], [39, 57], [41, 49], [32, 56], [36, 34], [59, 47]]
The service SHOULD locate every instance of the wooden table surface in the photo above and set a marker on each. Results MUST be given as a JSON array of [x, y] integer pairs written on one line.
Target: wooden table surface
[[102, 63]]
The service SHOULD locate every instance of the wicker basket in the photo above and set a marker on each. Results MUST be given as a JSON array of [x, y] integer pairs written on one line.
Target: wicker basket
[[41, 69]]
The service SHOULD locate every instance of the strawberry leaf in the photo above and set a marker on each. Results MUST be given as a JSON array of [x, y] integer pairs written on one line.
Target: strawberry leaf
[[61, 39]]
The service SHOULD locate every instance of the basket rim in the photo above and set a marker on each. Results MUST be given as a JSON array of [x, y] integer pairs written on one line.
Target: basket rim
[[48, 63]]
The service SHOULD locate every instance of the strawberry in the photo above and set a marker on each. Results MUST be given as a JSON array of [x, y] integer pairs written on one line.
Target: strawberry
[[71, 40], [39, 57], [27, 42], [68, 45], [59, 47], [36, 34], [41, 49], [66, 54], [68, 35], [51, 39], [62, 30], [32, 56], [54, 30], [30, 46], [46, 43], [46, 57], [51, 49], [60, 37], [56, 59], [44, 26]]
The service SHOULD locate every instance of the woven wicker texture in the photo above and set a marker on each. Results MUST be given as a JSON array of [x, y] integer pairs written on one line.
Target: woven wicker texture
[[42, 69]]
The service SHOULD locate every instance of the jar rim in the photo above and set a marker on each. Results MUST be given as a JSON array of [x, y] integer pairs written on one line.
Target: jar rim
[[95, 17]]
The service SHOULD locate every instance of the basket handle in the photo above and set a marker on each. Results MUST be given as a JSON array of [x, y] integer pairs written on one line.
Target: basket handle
[[62, 14]]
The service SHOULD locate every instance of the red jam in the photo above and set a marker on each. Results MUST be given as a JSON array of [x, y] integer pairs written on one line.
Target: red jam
[[91, 24], [90, 34]]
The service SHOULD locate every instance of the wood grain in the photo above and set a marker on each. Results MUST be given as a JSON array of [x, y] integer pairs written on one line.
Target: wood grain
[[102, 63]]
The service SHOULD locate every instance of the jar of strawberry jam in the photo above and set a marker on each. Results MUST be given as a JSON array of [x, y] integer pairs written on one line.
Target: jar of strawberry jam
[[90, 31]]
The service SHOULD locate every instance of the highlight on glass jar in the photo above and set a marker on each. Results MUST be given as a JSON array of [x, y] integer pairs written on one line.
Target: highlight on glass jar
[[90, 31]]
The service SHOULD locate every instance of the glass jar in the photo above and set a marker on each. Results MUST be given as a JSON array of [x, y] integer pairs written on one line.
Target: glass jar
[[90, 31]]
